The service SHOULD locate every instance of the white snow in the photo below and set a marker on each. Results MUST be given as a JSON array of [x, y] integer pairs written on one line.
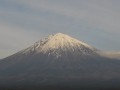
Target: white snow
[[60, 40], [55, 43]]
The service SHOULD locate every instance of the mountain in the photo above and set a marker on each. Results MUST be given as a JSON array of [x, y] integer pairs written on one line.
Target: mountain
[[59, 62], [59, 44]]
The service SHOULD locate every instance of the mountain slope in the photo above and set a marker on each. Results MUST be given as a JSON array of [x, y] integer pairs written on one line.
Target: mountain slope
[[60, 43], [59, 60]]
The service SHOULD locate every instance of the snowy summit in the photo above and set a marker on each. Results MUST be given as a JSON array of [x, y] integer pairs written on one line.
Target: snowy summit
[[59, 44]]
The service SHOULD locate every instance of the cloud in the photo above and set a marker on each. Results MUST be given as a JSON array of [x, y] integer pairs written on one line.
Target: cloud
[[95, 13], [100, 14]]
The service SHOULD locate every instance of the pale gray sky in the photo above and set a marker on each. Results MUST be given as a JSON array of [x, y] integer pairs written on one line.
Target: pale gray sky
[[23, 22]]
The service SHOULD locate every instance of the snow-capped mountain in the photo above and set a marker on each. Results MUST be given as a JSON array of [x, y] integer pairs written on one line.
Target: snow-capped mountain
[[58, 44], [59, 61]]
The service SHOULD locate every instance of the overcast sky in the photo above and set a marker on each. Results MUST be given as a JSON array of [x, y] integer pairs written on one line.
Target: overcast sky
[[23, 22]]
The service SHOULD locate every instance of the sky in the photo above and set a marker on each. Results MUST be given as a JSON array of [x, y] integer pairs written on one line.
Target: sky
[[23, 22]]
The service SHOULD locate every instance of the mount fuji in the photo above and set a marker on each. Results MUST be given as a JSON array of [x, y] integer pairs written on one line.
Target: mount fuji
[[59, 45], [59, 62]]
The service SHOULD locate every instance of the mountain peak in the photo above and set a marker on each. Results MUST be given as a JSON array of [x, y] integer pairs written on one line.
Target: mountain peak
[[59, 34], [63, 40], [59, 44]]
